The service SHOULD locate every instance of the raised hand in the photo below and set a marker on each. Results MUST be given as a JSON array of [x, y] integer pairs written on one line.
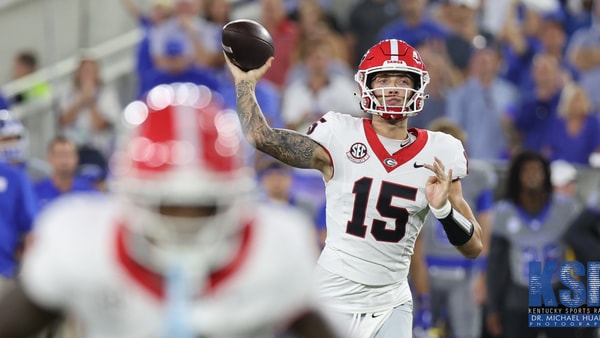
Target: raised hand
[[88, 91], [252, 75], [188, 23], [438, 186]]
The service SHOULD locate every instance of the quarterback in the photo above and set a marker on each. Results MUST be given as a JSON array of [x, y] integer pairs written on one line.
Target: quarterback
[[381, 180]]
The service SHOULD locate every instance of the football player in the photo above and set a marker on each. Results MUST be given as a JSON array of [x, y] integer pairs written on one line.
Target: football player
[[381, 180], [181, 249]]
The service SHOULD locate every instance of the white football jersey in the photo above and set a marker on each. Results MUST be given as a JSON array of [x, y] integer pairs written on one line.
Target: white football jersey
[[376, 201], [79, 263]]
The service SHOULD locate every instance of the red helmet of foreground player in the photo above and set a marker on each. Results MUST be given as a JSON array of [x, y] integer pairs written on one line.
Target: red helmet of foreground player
[[392, 56], [184, 150]]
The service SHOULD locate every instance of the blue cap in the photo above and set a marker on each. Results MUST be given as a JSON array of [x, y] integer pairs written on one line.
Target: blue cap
[[557, 16], [92, 164], [174, 48], [92, 172], [273, 166]]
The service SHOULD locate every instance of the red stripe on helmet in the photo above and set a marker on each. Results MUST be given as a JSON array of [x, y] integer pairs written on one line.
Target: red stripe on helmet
[[159, 129], [220, 147]]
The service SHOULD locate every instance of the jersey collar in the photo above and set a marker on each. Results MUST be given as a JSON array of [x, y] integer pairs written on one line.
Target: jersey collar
[[403, 155]]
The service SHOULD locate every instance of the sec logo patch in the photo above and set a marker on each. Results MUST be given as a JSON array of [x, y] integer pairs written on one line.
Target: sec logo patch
[[358, 153]]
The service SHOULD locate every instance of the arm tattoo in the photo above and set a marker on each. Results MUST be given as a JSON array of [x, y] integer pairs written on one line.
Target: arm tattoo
[[287, 146]]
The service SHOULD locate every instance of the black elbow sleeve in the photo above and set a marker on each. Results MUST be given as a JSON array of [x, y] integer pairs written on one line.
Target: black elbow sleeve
[[458, 228]]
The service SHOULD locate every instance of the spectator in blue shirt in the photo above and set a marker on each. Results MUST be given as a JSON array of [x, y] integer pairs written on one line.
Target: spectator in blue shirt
[[13, 139], [575, 135], [187, 27], [188, 73], [17, 212], [461, 19], [63, 158], [93, 166], [479, 106], [577, 15], [584, 52], [414, 26], [550, 38], [14, 146], [531, 120], [160, 10]]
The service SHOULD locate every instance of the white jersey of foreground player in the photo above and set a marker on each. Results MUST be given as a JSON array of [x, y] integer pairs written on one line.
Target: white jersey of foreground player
[[79, 263], [372, 246]]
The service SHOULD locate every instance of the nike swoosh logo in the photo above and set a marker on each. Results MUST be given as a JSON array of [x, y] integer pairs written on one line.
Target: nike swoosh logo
[[418, 165], [375, 315]]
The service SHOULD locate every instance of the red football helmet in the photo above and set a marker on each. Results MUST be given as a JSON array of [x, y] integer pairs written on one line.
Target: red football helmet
[[392, 56], [184, 150]]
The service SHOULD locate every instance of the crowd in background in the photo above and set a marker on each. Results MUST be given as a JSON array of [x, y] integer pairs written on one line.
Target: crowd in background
[[519, 79]]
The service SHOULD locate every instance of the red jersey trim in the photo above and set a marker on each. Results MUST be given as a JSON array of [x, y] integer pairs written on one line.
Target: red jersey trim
[[219, 277], [149, 280], [154, 283], [389, 161]]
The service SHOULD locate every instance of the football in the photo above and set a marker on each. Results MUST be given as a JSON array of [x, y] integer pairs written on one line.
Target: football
[[247, 44]]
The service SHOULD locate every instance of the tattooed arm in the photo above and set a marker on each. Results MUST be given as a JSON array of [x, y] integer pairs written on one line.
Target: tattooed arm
[[288, 146]]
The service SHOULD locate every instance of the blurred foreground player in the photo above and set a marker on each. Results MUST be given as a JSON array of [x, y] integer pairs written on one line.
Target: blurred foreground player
[[180, 250]]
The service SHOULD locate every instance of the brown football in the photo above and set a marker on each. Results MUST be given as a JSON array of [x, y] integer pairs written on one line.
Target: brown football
[[247, 44]]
